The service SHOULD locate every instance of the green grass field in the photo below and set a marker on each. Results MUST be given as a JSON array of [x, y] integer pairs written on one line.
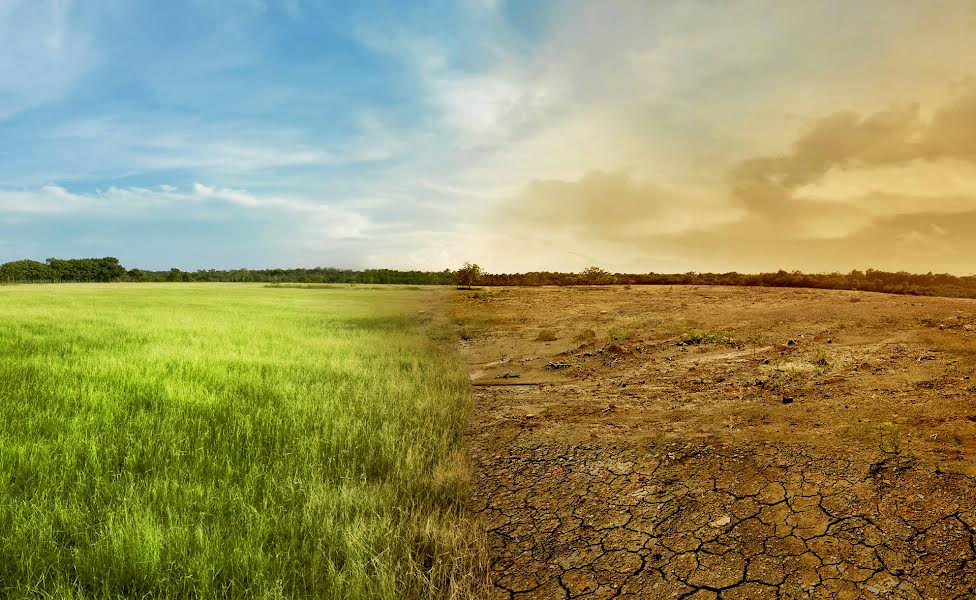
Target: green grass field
[[228, 441]]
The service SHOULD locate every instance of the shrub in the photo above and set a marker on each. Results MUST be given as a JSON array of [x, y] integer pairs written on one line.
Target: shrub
[[586, 335], [546, 335]]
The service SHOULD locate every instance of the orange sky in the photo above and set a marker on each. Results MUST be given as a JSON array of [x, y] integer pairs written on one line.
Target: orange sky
[[746, 136]]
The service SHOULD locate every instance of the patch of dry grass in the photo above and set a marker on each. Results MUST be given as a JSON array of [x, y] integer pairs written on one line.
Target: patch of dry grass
[[948, 341]]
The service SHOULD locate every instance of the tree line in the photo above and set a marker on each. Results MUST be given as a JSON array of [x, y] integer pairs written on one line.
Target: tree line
[[109, 269], [57, 269], [870, 280]]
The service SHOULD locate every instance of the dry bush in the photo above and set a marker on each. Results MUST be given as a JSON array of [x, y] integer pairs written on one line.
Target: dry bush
[[546, 335], [586, 335]]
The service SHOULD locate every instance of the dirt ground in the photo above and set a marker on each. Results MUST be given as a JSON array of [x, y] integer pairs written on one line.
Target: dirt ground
[[711, 442]]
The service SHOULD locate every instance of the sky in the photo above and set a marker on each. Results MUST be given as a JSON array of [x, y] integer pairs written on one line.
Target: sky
[[522, 135]]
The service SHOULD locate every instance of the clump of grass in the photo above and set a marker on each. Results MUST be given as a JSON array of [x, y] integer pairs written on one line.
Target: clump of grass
[[758, 339], [209, 441], [585, 335], [821, 362], [621, 334], [699, 338], [785, 379], [546, 335]]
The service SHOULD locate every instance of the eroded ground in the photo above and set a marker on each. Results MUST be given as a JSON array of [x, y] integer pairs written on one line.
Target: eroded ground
[[684, 442]]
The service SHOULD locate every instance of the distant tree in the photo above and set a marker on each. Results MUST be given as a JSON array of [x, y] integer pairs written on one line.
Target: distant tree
[[245, 275], [87, 269], [176, 275], [136, 275], [595, 276], [467, 276], [26, 270]]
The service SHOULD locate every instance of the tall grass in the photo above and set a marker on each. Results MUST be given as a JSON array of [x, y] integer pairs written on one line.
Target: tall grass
[[222, 441]]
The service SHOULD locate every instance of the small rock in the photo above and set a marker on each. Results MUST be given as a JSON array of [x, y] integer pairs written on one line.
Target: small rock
[[508, 376], [721, 521], [557, 365], [874, 589]]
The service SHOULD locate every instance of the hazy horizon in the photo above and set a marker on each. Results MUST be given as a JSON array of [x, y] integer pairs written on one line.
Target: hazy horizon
[[637, 136]]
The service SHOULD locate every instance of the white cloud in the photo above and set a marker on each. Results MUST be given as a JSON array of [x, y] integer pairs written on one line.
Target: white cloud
[[49, 199], [311, 219], [43, 53], [106, 148]]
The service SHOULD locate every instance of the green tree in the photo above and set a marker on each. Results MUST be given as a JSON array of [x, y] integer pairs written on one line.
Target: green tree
[[467, 276], [26, 270], [176, 275]]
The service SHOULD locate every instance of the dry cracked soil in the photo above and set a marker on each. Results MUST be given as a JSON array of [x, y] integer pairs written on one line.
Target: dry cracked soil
[[719, 442]]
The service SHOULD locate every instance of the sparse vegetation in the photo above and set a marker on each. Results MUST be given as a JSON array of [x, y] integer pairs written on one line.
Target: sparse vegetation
[[951, 341]]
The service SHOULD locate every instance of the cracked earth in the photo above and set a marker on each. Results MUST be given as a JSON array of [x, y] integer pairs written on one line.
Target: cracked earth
[[722, 442]]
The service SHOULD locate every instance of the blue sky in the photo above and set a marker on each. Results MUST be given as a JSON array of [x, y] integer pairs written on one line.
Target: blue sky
[[520, 134], [238, 132]]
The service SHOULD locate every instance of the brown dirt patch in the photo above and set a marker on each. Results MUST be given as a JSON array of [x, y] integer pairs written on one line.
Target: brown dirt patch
[[723, 442]]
